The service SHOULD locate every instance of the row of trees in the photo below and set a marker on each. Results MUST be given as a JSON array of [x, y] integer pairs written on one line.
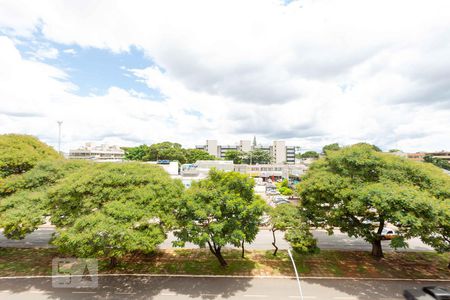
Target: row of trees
[[360, 190], [253, 157], [166, 151], [110, 210], [438, 162]]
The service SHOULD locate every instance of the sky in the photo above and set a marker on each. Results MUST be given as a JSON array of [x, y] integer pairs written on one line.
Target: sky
[[308, 72]]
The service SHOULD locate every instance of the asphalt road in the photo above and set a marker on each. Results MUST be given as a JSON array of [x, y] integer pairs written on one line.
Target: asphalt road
[[263, 241], [128, 287]]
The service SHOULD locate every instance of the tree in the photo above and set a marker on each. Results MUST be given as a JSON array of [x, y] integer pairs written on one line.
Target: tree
[[283, 188], [136, 153], [309, 154], [374, 147], [24, 202], [20, 153], [438, 162], [217, 211], [361, 190], [330, 147], [99, 209], [158, 151], [234, 155], [257, 156], [301, 239], [282, 217], [192, 155]]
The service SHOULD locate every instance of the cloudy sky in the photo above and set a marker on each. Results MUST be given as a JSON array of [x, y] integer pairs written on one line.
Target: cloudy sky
[[308, 72]]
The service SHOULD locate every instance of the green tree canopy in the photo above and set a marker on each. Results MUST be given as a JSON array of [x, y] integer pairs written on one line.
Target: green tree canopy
[[219, 210], [309, 154], [166, 151], [24, 197], [20, 153], [361, 191], [438, 162], [330, 147], [136, 153], [192, 155], [257, 156], [236, 156], [282, 217], [99, 209]]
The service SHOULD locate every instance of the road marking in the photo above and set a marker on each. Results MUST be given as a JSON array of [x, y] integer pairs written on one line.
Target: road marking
[[168, 294], [304, 297], [125, 293], [210, 295], [84, 292], [39, 292], [345, 297], [256, 296]]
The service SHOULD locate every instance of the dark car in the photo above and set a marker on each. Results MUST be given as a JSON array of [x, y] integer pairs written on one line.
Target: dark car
[[427, 293]]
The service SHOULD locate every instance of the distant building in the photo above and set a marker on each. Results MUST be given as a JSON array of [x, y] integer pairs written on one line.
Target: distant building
[[170, 167], [99, 153], [200, 169], [272, 171], [278, 150], [445, 155], [418, 156]]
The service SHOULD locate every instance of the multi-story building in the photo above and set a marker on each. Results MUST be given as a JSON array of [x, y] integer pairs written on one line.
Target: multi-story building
[[445, 155], [100, 153], [280, 153]]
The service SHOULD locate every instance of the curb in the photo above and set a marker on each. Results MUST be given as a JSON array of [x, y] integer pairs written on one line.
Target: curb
[[235, 276]]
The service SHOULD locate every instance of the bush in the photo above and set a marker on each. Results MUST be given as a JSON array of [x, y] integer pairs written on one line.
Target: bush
[[302, 240]]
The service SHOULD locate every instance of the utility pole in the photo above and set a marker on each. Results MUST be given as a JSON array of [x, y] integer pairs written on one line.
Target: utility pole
[[59, 136]]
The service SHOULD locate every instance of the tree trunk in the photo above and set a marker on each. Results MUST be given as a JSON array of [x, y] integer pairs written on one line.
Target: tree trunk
[[216, 251], [113, 262], [274, 243], [219, 256], [243, 249], [377, 250]]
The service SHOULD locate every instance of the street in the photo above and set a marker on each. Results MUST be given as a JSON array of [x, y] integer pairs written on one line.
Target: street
[[263, 241], [142, 287]]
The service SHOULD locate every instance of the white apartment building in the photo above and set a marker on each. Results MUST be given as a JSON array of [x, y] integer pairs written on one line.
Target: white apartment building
[[100, 153], [279, 151]]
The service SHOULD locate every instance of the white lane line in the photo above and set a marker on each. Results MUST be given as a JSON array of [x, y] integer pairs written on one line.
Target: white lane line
[[256, 296], [125, 293], [168, 294], [39, 292], [210, 295], [304, 297], [345, 297], [84, 292]]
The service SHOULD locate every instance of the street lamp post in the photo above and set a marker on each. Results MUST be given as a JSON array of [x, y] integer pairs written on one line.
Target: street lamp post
[[59, 136]]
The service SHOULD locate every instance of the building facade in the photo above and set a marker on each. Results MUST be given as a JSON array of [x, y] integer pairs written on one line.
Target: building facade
[[100, 153], [280, 153]]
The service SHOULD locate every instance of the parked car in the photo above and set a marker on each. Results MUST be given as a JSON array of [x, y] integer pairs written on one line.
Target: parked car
[[280, 200], [388, 234], [428, 292]]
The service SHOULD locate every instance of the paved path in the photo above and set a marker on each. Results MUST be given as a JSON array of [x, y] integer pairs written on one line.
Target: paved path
[[263, 241], [127, 287]]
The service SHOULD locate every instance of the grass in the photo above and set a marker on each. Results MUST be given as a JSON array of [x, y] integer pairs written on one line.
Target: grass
[[15, 262]]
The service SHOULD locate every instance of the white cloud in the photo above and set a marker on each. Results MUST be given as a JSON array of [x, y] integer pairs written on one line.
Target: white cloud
[[310, 72]]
